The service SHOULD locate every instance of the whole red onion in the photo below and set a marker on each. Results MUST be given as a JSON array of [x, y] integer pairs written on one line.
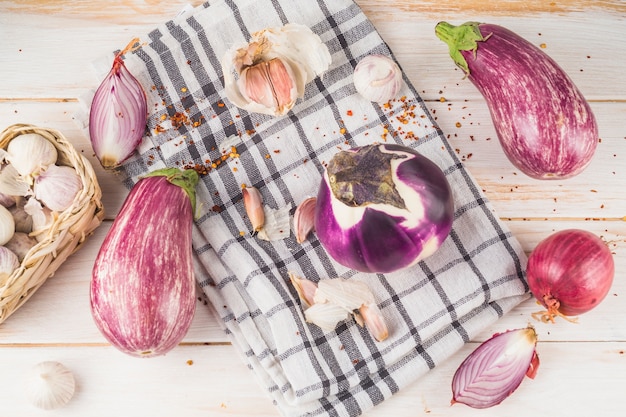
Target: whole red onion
[[570, 272]]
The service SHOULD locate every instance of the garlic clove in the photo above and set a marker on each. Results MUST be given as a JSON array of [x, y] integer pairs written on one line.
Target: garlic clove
[[49, 385], [23, 221], [30, 153], [305, 288], [374, 321], [268, 74], [304, 219], [7, 225], [377, 78], [57, 187], [253, 203]]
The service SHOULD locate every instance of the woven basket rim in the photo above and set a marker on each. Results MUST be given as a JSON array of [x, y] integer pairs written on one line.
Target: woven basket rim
[[68, 231]]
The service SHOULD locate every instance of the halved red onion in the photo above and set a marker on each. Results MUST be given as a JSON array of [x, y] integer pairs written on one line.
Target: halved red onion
[[119, 113], [496, 368]]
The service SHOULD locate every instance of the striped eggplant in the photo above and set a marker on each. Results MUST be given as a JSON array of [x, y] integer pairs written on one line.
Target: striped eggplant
[[545, 125], [143, 286]]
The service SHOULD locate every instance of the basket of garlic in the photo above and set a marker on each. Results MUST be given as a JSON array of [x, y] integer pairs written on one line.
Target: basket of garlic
[[50, 202]]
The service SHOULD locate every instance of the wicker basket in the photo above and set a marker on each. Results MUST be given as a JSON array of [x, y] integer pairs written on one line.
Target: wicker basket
[[66, 234]]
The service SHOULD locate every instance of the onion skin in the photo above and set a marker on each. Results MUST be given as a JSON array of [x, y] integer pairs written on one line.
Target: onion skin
[[570, 272], [373, 238], [143, 287], [545, 125], [496, 368]]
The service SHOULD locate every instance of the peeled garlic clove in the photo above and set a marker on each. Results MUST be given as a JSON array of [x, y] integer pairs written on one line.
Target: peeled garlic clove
[[49, 385], [57, 187], [253, 203], [268, 74], [377, 78], [30, 153], [7, 225], [304, 219], [276, 225]]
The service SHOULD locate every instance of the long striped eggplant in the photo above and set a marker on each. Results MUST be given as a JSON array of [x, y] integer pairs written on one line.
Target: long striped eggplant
[[545, 125], [143, 286]]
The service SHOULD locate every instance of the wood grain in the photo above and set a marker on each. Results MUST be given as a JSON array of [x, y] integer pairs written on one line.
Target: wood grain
[[48, 53]]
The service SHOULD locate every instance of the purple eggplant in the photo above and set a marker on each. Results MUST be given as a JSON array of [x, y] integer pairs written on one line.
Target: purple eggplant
[[545, 125], [143, 286], [381, 208]]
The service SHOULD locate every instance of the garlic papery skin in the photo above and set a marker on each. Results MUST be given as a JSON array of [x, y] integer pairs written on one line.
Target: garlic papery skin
[[30, 153], [9, 262], [57, 187], [49, 385], [268, 74], [43, 218], [377, 78], [12, 183], [7, 225]]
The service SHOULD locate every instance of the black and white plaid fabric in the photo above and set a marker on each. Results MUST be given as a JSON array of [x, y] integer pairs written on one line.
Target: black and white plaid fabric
[[431, 308]]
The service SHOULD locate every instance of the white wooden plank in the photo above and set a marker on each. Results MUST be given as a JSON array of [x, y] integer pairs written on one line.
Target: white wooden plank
[[410, 34], [574, 379], [591, 194], [189, 381]]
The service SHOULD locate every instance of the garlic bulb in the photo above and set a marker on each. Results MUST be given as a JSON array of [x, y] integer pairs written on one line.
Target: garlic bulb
[[377, 78], [7, 225], [268, 74], [57, 187], [9, 262], [30, 153], [23, 221], [49, 385], [20, 244]]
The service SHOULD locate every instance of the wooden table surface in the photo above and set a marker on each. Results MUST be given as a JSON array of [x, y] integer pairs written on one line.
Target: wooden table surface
[[47, 50]]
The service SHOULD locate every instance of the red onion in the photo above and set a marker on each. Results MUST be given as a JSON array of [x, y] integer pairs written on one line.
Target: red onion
[[496, 368], [119, 113], [569, 273]]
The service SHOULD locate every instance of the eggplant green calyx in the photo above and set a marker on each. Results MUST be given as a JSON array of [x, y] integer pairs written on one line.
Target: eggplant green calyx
[[186, 179], [460, 38], [364, 176]]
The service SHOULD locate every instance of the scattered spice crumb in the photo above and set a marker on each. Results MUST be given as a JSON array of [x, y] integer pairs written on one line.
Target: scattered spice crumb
[[189, 362]]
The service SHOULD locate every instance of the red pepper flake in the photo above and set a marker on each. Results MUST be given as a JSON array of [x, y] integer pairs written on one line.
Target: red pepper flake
[[189, 362], [349, 113], [342, 130], [220, 104], [216, 209], [458, 124]]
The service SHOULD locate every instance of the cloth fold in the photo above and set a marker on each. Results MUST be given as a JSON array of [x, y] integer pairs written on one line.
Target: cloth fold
[[431, 309]]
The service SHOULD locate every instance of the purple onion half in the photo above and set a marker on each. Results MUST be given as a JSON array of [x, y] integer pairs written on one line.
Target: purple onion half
[[382, 208]]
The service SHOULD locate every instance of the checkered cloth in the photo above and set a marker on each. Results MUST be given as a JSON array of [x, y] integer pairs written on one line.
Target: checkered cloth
[[431, 309]]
